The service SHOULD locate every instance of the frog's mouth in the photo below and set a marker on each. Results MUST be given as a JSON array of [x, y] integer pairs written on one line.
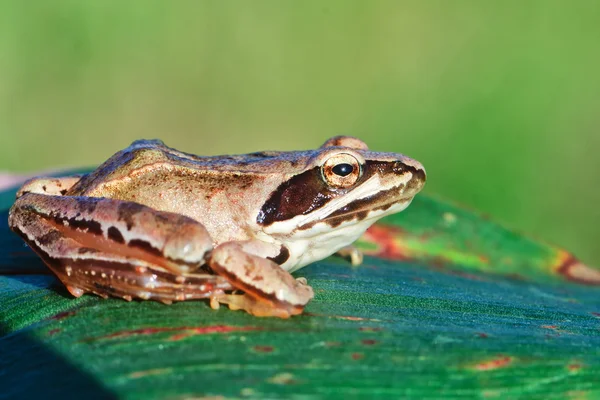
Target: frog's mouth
[[364, 209]]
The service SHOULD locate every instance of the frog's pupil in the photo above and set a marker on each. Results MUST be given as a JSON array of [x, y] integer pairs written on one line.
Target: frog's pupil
[[343, 169]]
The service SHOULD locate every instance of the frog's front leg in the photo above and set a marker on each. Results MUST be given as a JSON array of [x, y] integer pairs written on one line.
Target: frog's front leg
[[269, 289], [117, 248]]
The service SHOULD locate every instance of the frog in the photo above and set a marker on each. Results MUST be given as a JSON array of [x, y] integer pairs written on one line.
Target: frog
[[156, 223]]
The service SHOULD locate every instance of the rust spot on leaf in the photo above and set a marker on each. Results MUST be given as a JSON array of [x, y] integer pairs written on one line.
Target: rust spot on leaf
[[573, 367], [264, 349], [369, 342], [184, 331], [63, 315], [500, 362], [369, 329], [549, 326]]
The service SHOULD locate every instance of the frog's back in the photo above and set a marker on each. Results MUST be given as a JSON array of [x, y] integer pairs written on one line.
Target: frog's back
[[209, 189], [154, 158]]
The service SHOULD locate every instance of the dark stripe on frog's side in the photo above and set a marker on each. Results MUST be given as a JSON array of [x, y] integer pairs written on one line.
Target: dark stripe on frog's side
[[85, 225], [115, 235], [145, 246], [127, 210], [283, 256]]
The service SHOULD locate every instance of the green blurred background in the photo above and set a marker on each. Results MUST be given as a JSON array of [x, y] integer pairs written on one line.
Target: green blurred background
[[500, 100]]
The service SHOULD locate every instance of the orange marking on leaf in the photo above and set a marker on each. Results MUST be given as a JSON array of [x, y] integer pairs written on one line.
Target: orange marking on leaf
[[500, 362], [358, 356], [574, 367], [574, 270], [482, 335], [549, 326], [204, 330], [386, 238], [53, 331]]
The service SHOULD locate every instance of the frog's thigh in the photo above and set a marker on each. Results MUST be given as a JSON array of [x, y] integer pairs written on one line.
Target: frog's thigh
[[50, 186], [173, 241], [270, 290], [86, 257]]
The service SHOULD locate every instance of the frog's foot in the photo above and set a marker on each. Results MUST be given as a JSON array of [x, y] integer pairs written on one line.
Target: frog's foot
[[269, 290], [84, 244], [351, 253], [254, 306]]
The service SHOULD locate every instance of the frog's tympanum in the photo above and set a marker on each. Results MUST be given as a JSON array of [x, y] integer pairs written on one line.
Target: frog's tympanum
[[156, 223]]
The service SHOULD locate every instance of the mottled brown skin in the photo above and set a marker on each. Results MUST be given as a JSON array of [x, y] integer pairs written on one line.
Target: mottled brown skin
[[156, 223]]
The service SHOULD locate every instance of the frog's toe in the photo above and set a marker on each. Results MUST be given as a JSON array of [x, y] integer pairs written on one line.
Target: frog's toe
[[353, 254], [302, 280], [253, 306], [75, 291]]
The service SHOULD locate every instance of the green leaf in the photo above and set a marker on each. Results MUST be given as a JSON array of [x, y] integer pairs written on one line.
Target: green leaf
[[437, 313]]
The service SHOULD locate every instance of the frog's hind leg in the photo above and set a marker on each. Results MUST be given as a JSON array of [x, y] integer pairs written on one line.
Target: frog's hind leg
[[269, 289], [49, 186], [117, 248]]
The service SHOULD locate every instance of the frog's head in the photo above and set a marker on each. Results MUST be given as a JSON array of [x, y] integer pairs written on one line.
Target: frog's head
[[340, 191]]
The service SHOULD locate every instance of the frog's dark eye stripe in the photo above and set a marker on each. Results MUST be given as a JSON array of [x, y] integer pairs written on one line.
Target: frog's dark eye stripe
[[343, 169], [314, 188]]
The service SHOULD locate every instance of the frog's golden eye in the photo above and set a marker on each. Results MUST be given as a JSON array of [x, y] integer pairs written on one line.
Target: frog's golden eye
[[341, 171]]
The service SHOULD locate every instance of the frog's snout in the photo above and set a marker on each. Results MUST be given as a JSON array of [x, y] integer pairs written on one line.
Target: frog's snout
[[418, 176]]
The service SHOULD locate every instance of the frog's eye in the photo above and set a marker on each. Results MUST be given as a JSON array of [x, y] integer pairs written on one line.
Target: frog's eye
[[341, 171]]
